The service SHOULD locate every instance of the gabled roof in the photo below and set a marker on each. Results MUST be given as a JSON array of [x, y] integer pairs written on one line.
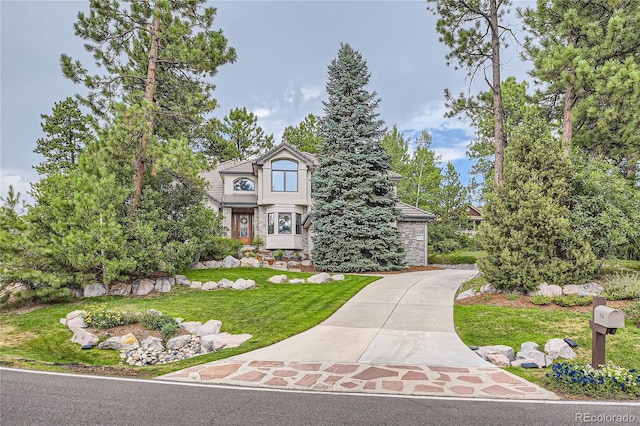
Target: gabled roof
[[310, 160], [474, 211], [414, 214]]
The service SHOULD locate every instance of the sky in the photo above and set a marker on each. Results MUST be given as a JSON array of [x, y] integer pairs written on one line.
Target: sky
[[283, 49]]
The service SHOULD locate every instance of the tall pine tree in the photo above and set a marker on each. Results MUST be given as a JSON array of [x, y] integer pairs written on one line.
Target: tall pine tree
[[355, 214]]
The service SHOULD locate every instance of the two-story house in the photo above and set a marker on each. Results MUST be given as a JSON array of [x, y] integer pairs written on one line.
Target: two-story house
[[270, 197]]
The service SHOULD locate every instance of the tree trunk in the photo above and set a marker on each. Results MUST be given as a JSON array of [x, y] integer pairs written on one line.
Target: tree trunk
[[149, 92], [498, 117], [569, 101]]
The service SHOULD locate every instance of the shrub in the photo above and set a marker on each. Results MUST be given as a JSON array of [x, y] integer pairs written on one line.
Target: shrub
[[169, 330], [572, 300], [622, 287], [539, 299], [452, 259], [153, 321], [633, 313], [100, 317], [220, 248], [610, 381], [511, 296]]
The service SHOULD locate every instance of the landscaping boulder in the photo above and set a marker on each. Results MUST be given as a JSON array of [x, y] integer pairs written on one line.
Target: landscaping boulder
[[529, 346], [212, 343], [277, 279], [209, 285], [191, 327], [320, 278], [197, 265], [230, 262], [127, 342], [297, 281], [250, 262], [337, 277], [535, 356], [94, 290], [197, 284], [152, 343], [182, 280], [498, 360], [76, 322], [306, 263], [142, 287], [235, 340], [179, 341], [488, 289], [163, 285], [209, 327], [120, 289], [293, 264], [83, 337], [547, 290], [507, 351], [558, 348], [466, 294], [589, 289], [75, 314], [225, 283], [242, 284], [213, 264]]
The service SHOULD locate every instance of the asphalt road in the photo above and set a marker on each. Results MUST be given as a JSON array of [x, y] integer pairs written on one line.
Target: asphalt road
[[36, 398]]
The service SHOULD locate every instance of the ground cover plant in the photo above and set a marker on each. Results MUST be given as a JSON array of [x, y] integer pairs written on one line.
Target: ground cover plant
[[270, 312]]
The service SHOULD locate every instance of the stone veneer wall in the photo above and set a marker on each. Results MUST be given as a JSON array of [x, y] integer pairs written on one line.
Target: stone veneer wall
[[415, 241], [226, 219], [260, 222]]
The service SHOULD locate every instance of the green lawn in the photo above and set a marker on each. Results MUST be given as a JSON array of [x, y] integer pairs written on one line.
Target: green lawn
[[482, 325], [270, 312]]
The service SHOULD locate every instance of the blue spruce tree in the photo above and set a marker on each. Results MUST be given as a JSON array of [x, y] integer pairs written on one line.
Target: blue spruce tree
[[355, 215]]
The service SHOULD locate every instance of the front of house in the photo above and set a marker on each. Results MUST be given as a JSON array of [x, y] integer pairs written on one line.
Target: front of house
[[270, 197]]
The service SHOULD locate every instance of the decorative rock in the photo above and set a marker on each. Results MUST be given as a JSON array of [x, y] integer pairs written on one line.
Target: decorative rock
[[529, 346], [277, 279], [293, 264], [126, 342], [466, 294], [558, 348], [212, 343], [589, 289], [196, 284], [488, 289], [154, 312], [63, 321], [337, 277], [306, 262], [320, 278], [540, 358], [570, 289], [547, 290], [212, 264], [525, 363], [498, 359], [120, 289], [163, 285], [197, 265], [191, 327], [142, 287], [242, 284], [87, 346], [209, 327], [179, 341], [230, 262], [250, 262], [297, 281], [225, 283], [76, 322], [209, 285], [182, 280], [235, 340], [76, 313], [94, 290], [82, 336], [152, 343], [507, 351]]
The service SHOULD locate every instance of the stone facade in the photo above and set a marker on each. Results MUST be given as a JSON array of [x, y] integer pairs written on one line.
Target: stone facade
[[414, 237]]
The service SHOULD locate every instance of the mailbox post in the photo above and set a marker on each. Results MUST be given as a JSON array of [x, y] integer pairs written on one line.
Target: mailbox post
[[605, 321]]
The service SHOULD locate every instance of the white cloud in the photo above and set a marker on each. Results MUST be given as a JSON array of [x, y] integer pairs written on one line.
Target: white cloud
[[262, 112], [311, 91], [431, 116], [20, 181], [451, 153]]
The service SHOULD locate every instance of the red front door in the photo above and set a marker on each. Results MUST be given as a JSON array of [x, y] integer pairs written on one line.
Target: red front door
[[242, 227]]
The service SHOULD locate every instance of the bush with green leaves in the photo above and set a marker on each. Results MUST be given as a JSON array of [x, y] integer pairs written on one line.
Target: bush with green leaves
[[540, 299], [609, 381], [169, 330], [452, 259], [221, 247], [569, 300], [633, 313], [622, 287], [98, 316], [155, 321]]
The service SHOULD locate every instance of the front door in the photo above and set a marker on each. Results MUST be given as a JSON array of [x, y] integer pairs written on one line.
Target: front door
[[242, 227]]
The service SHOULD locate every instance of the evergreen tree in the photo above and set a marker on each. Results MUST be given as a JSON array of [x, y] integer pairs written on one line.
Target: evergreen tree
[[238, 136], [526, 229], [355, 215], [451, 213], [306, 136], [68, 132]]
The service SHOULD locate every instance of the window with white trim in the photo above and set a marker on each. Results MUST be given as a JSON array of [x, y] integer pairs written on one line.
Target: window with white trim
[[284, 176]]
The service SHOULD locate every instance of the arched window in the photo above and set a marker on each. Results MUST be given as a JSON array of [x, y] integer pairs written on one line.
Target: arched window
[[243, 184], [284, 176]]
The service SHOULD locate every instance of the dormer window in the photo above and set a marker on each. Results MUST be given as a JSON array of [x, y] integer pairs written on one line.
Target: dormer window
[[284, 176], [243, 184]]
